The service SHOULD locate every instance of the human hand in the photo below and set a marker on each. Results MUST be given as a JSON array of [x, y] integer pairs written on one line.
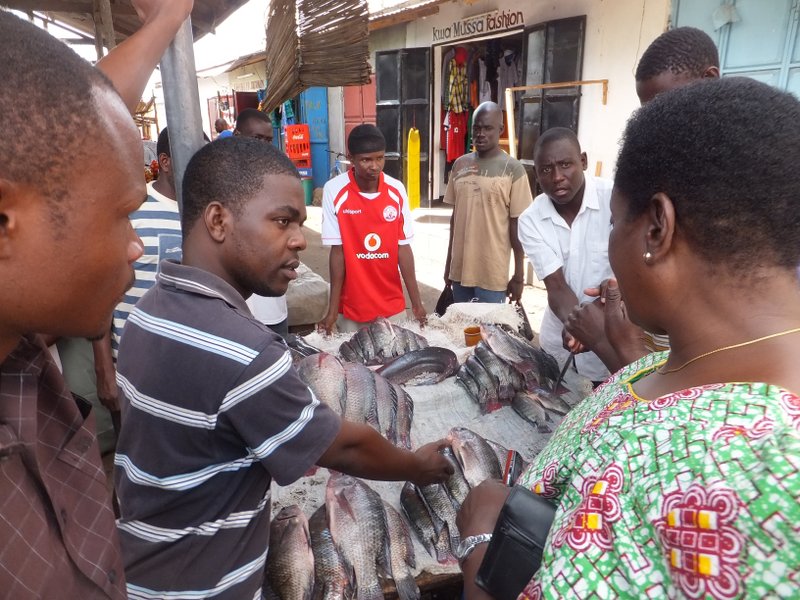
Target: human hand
[[571, 343], [107, 390], [326, 325], [420, 314], [585, 326], [432, 467], [150, 10], [514, 289], [481, 508], [623, 335]]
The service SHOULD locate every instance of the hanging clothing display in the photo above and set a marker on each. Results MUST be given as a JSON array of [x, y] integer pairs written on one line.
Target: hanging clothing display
[[508, 75], [458, 84]]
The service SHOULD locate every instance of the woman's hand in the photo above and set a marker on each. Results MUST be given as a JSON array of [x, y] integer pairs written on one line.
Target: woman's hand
[[481, 508]]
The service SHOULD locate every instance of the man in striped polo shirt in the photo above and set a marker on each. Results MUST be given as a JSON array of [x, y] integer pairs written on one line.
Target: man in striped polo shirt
[[157, 223], [212, 408]]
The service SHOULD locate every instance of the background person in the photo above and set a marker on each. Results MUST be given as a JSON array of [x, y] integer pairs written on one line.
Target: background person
[[488, 190], [213, 409], [222, 129], [565, 236], [366, 220], [675, 58], [69, 247], [675, 476]]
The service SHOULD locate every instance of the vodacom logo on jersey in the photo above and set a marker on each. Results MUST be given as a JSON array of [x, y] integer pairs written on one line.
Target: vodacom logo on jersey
[[372, 242]]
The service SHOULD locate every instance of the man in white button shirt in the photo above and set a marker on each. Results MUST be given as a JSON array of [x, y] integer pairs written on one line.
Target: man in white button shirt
[[565, 236]]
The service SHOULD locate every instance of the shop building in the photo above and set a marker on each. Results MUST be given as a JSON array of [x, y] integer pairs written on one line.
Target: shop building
[[497, 43]]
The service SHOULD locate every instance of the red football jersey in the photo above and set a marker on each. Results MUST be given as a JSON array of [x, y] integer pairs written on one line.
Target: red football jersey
[[371, 230]]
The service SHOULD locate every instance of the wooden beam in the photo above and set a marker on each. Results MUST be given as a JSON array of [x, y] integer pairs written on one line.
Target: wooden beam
[[74, 6], [107, 21]]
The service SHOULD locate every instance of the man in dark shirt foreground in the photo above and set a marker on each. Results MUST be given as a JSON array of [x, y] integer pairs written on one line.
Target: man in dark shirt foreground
[[66, 250], [212, 409]]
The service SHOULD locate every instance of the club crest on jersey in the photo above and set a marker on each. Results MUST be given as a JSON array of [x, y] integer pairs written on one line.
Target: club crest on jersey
[[389, 214], [373, 241]]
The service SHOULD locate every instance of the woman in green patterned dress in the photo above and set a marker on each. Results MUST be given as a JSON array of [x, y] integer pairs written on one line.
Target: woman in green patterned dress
[[680, 476]]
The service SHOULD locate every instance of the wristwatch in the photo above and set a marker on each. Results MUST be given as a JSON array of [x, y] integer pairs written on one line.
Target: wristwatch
[[468, 544]]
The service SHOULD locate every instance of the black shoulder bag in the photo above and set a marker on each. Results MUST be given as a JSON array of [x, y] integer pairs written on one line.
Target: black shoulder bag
[[514, 553]]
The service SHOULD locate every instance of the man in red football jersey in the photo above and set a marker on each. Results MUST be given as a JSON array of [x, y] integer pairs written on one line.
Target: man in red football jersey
[[367, 223]]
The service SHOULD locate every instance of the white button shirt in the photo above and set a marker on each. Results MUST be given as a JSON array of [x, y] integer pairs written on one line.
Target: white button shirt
[[581, 251]]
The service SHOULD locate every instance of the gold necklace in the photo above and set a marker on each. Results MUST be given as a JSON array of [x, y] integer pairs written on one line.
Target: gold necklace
[[662, 371]]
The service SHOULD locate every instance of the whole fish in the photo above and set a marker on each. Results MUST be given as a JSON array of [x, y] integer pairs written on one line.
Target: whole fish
[[439, 503], [436, 541], [436, 363], [550, 402], [386, 403], [403, 418], [290, 560], [358, 526], [401, 552], [324, 374], [457, 486], [359, 404], [334, 577], [477, 459], [529, 407]]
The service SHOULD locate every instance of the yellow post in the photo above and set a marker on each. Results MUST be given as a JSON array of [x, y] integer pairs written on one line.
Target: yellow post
[[412, 173]]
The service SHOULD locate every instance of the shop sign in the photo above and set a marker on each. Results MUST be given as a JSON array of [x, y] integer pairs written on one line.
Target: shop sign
[[486, 23]]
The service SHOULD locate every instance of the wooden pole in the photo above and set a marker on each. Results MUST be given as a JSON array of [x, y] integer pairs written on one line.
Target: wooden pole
[[107, 21], [98, 33]]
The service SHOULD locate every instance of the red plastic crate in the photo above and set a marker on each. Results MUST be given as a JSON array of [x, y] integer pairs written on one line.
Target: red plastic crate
[[298, 142]]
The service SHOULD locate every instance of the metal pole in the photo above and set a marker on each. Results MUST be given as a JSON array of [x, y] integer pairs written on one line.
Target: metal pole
[[182, 103]]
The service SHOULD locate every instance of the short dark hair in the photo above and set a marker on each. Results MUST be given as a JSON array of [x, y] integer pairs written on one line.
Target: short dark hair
[[48, 113], [726, 153], [364, 139], [682, 50], [230, 171], [555, 134], [249, 114], [162, 145]]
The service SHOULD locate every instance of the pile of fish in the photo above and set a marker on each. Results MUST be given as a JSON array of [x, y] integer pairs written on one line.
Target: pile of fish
[[358, 394], [379, 342], [503, 365], [350, 548], [431, 509]]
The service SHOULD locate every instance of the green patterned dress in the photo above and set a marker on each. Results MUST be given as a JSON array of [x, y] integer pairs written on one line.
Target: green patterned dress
[[691, 495]]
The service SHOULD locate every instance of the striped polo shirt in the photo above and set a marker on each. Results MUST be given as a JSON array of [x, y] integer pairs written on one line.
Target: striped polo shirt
[[158, 223], [212, 411]]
